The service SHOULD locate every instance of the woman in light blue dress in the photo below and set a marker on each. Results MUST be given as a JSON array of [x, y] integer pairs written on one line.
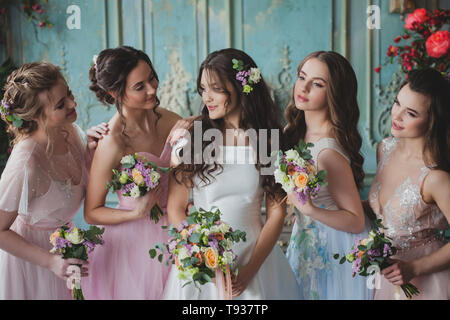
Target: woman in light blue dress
[[324, 111]]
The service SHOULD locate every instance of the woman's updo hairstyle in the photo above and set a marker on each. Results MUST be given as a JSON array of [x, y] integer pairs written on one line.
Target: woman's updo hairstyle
[[110, 72], [21, 95]]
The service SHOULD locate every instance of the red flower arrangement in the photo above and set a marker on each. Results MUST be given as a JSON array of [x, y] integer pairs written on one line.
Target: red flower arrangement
[[415, 19], [427, 44]]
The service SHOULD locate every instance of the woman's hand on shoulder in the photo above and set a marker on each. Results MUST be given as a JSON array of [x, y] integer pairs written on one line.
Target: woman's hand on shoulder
[[96, 133], [180, 129]]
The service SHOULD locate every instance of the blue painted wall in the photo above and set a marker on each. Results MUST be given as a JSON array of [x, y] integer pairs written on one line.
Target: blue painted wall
[[178, 34]]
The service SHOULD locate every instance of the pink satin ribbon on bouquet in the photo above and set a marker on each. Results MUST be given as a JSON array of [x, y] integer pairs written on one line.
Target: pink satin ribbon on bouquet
[[223, 284]]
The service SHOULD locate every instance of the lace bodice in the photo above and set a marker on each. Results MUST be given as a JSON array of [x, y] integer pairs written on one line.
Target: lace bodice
[[410, 222]]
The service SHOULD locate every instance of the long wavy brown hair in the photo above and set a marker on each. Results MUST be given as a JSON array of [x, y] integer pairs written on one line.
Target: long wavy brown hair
[[257, 111], [343, 110], [431, 83]]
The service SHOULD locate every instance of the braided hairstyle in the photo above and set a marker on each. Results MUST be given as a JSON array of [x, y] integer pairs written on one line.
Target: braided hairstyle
[[22, 90]]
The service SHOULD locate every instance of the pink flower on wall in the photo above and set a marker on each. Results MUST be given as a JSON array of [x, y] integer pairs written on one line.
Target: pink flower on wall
[[438, 44], [415, 19]]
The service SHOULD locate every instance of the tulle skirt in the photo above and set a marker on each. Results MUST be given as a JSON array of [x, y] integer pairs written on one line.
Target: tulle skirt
[[22, 280], [435, 286], [122, 269], [319, 275]]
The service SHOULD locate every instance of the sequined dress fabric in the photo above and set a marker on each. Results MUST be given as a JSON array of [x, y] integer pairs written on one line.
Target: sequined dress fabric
[[412, 224]]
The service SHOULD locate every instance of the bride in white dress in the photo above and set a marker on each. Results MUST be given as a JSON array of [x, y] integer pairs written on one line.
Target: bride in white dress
[[234, 183]]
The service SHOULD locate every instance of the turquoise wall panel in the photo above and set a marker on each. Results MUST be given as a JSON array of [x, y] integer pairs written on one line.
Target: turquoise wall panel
[[178, 34]]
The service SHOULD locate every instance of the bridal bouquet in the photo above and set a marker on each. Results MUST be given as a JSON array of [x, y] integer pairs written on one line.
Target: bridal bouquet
[[296, 172], [201, 248], [372, 254], [135, 177], [71, 242]]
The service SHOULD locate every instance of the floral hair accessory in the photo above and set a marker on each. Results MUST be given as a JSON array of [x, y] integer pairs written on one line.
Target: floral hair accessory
[[5, 110], [94, 61], [246, 76]]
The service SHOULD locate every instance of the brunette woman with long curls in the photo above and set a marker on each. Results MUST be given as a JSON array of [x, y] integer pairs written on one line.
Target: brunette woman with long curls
[[122, 269], [410, 192], [234, 101], [324, 111]]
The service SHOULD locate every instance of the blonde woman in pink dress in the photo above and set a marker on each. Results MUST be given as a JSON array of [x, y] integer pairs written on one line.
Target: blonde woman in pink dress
[[43, 184], [122, 269], [411, 189]]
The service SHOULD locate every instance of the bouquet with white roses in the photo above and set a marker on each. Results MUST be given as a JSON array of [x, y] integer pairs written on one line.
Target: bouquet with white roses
[[295, 171], [201, 247], [135, 177], [72, 242]]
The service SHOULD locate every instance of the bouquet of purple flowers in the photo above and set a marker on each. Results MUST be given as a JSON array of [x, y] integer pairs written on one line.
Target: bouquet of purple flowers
[[135, 177], [374, 251], [72, 242]]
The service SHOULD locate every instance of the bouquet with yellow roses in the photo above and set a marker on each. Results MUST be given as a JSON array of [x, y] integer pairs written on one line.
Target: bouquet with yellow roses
[[72, 242], [201, 247], [135, 177], [295, 171]]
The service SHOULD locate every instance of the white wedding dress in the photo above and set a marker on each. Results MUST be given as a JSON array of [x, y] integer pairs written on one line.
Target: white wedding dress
[[238, 193]]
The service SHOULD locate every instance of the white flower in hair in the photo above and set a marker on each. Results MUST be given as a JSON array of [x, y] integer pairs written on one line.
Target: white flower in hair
[[94, 59], [255, 75]]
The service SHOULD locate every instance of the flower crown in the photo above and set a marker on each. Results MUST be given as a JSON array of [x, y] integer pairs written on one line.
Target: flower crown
[[246, 76], [5, 110]]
